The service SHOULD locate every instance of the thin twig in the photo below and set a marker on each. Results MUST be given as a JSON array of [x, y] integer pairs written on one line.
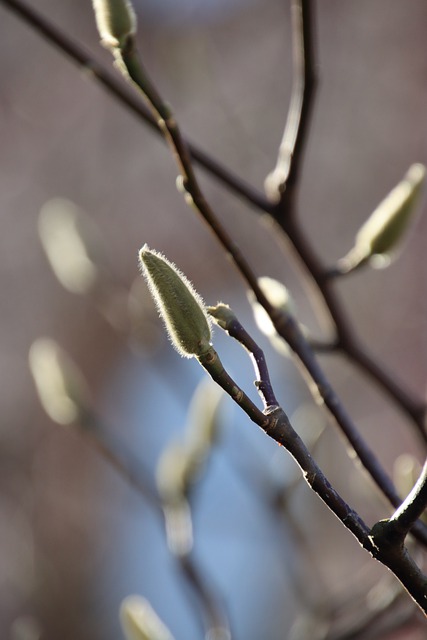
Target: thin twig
[[276, 425], [226, 319], [412, 407], [346, 341], [282, 183], [96, 71], [132, 471], [285, 325], [402, 521]]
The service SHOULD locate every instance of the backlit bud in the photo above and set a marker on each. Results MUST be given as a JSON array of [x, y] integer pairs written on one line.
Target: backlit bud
[[115, 20], [180, 307], [384, 229]]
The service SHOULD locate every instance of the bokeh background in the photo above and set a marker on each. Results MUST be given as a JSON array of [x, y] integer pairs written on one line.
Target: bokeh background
[[74, 538]]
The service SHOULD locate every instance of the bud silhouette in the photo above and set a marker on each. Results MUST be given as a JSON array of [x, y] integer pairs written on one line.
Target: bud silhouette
[[180, 307]]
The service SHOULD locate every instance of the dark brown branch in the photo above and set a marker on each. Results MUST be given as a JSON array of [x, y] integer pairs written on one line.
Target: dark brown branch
[[413, 408], [226, 319], [276, 425], [85, 60], [346, 341], [285, 325]]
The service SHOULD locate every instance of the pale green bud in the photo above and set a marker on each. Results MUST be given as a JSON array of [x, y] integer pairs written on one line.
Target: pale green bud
[[180, 307], [59, 383], [115, 20], [384, 229], [140, 622], [66, 237]]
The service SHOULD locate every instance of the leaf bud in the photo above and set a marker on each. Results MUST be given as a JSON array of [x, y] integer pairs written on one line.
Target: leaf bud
[[379, 236], [181, 308], [115, 21]]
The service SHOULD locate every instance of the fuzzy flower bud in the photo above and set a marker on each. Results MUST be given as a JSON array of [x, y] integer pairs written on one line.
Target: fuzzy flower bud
[[180, 307], [384, 229], [115, 20]]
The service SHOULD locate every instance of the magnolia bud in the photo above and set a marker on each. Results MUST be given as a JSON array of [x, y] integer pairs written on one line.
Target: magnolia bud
[[68, 239], [180, 307], [60, 385], [384, 229], [115, 20], [140, 622]]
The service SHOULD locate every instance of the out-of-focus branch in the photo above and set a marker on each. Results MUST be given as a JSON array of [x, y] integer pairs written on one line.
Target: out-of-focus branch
[[281, 184]]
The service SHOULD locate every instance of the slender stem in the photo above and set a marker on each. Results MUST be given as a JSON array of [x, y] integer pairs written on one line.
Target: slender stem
[[226, 319], [414, 409], [129, 467], [346, 341], [122, 460], [96, 71], [404, 518], [285, 325], [276, 425], [282, 182]]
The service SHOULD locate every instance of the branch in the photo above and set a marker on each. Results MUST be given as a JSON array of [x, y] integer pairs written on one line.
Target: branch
[[281, 184], [130, 65], [276, 425], [413, 408], [404, 518], [96, 71], [346, 341]]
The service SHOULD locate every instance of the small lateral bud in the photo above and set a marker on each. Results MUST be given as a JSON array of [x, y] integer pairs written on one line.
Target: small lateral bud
[[139, 621], [378, 238], [180, 307], [60, 385], [115, 20]]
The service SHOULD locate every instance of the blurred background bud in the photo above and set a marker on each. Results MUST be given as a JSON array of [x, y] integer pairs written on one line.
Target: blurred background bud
[[60, 385], [69, 241], [140, 622]]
